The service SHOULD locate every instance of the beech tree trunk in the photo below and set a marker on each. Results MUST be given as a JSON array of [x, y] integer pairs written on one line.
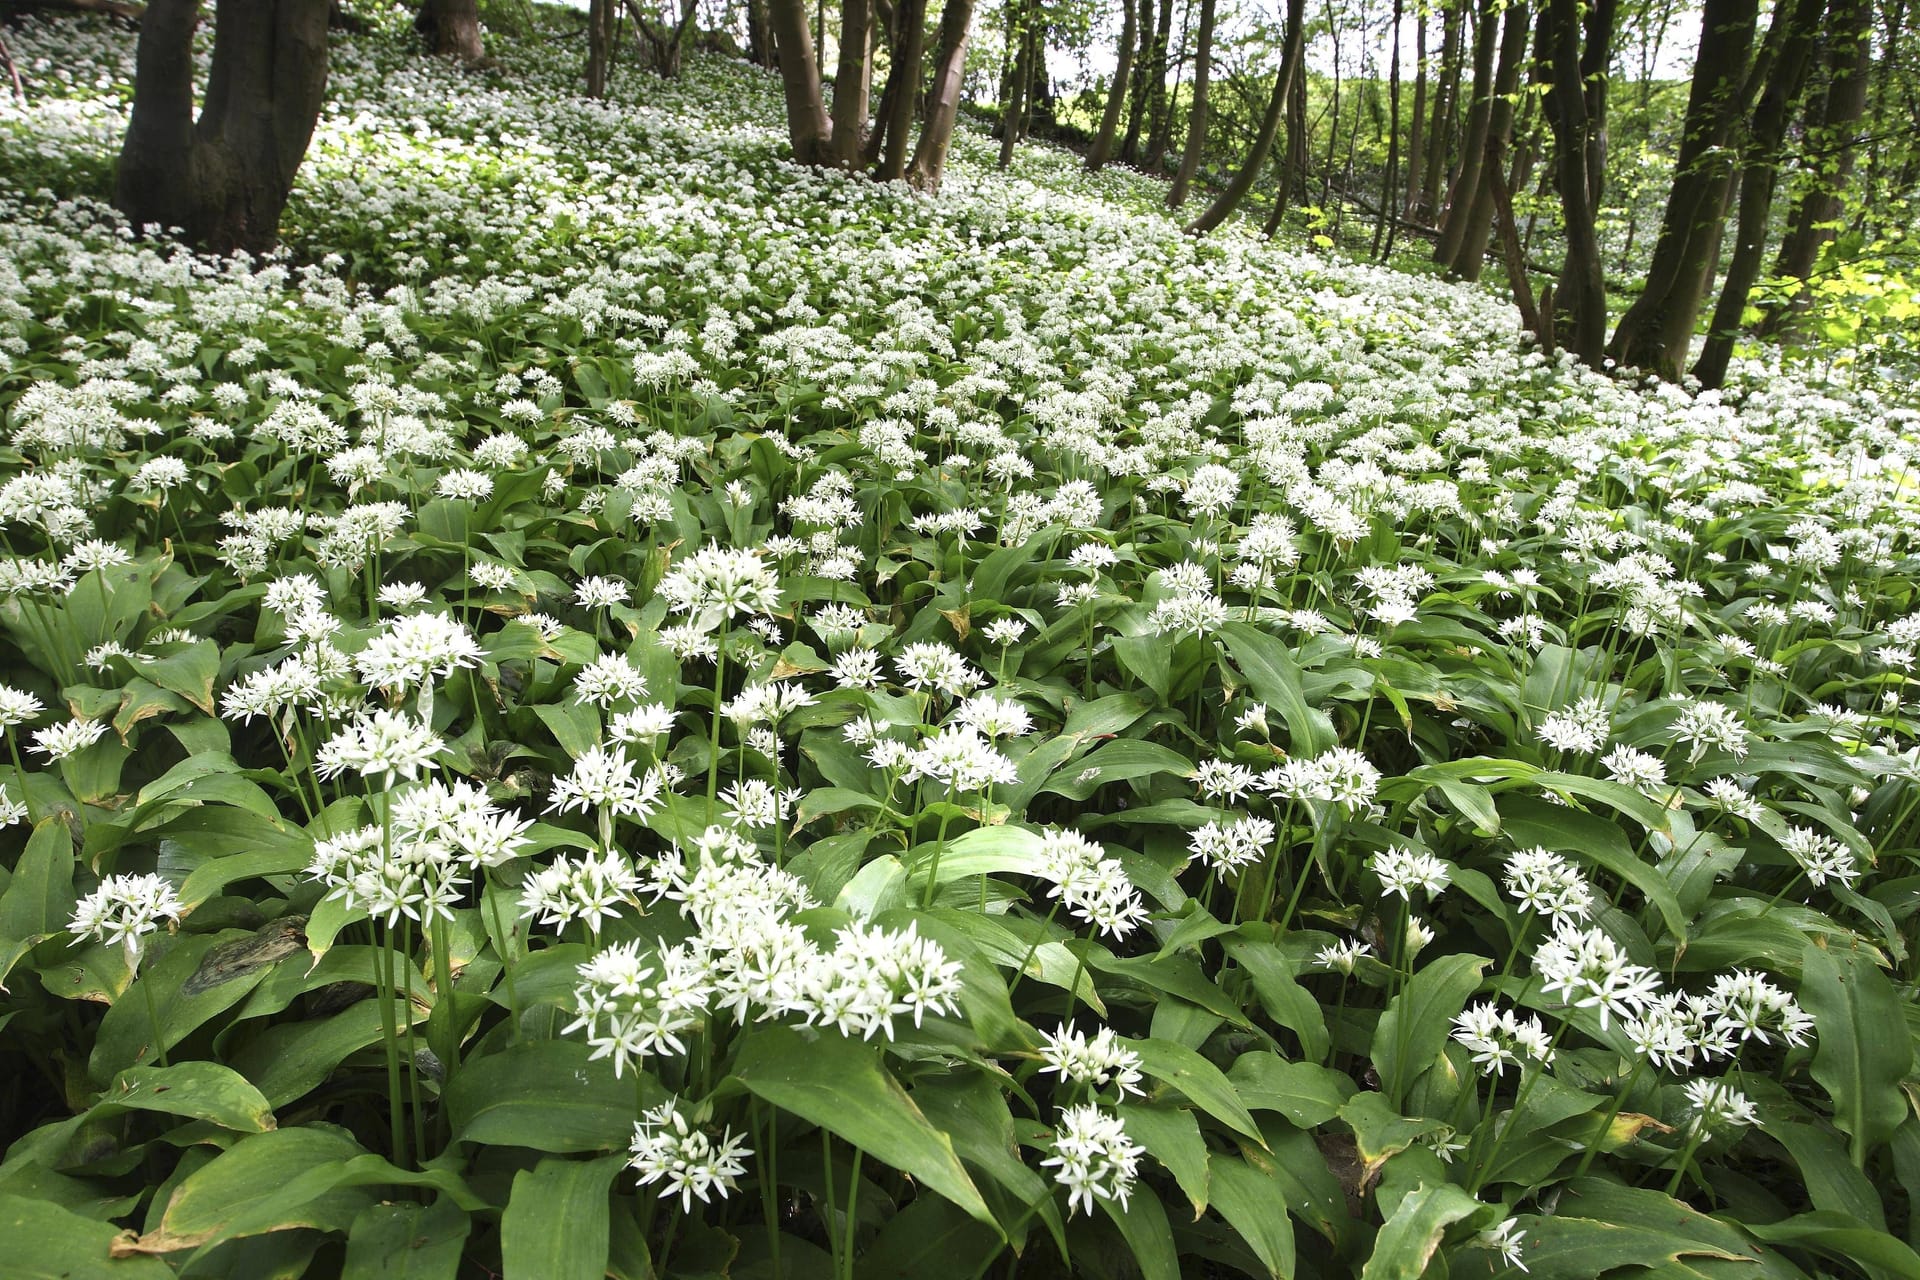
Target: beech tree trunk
[[1229, 200], [1831, 133], [943, 100], [600, 17], [1117, 94], [851, 84], [451, 28], [1385, 225], [1760, 174], [1473, 149], [1657, 330], [1470, 255], [1416, 139], [1197, 114], [1016, 99], [1440, 132], [895, 128], [808, 127], [224, 179], [1143, 71], [1580, 318], [1159, 115]]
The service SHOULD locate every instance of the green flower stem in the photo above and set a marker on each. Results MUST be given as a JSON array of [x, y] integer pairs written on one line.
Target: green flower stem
[[832, 1201], [501, 937], [153, 1017], [940, 847], [1027, 959], [853, 1203], [1606, 1121], [713, 740], [1696, 1134]]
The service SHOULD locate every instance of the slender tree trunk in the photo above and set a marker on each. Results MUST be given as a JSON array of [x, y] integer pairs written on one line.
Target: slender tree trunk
[[943, 101], [1473, 149], [760, 50], [1333, 126], [1657, 330], [1158, 112], [1581, 319], [451, 29], [1470, 257], [897, 98], [1384, 227], [1144, 69], [1015, 102], [600, 19], [1197, 114], [851, 82], [1440, 132], [1759, 176], [1229, 200], [1117, 95], [1820, 206], [807, 124], [1893, 15], [1416, 139], [224, 180]]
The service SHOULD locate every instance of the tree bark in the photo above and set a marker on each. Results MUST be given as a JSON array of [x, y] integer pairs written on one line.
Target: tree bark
[[1197, 114], [1016, 100], [451, 29], [1759, 175], [1229, 200], [224, 180], [851, 81], [1159, 114], [1477, 220], [1117, 95], [1657, 331], [943, 101], [1386, 225], [1580, 321], [1819, 208], [1144, 69], [895, 130], [1416, 139], [1440, 132], [760, 50], [1473, 149], [600, 16], [807, 125]]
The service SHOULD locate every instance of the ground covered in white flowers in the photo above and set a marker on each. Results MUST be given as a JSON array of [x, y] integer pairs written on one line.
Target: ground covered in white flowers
[[936, 731]]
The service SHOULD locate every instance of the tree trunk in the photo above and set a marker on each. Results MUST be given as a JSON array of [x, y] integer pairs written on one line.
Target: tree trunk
[[1144, 69], [943, 101], [760, 34], [1818, 210], [807, 123], [851, 81], [1385, 223], [224, 180], [1117, 95], [1580, 321], [1760, 174], [600, 16], [1243, 181], [1015, 101], [1159, 114], [451, 29], [1197, 114], [895, 129], [1657, 330], [1440, 132], [1473, 149], [1416, 139], [1470, 256]]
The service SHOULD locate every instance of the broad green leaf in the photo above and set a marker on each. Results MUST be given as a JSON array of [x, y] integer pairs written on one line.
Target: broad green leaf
[[1143, 1225], [39, 898], [930, 1237], [555, 1225], [1591, 839], [1599, 1226], [128, 1030], [842, 1086], [406, 1241], [545, 1095], [983, 851], [1252, 1201], [43, 1241], [1409, 1239], [1844, 1238], [1172, 1136], [970, 1108], [1275, 678], [1831, 1181], [1414, 1028], [1198, 1080], [1116, 761], [1863, 1047], [255, 1187], [1281, 995], [1305, 1093], [200, 1090]]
